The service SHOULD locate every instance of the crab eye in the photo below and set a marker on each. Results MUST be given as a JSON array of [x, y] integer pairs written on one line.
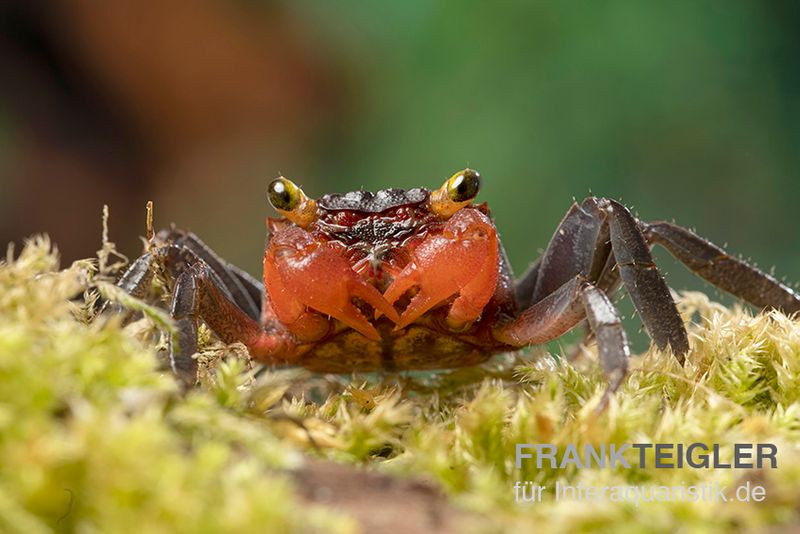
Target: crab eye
[[291, 202], [283, 194], [457, 192], [464, 185]]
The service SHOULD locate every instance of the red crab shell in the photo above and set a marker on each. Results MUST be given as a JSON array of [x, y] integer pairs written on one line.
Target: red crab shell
[[381, 281]]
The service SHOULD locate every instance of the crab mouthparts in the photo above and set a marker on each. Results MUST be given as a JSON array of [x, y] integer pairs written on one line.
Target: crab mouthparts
[[378, 266]]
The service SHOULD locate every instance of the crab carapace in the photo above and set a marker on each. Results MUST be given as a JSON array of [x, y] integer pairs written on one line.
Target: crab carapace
[[418, 279]]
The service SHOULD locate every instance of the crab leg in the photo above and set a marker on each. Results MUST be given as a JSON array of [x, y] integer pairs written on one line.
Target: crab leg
[[218, 295], [179, 249], [182, 347], [198, 296], [134, 281], [525, 285], [564, 308], [601, 241], [630, 242], [579, 246], [138, 276], [646, 286], [244, 289], [174, 258], [718, 267]]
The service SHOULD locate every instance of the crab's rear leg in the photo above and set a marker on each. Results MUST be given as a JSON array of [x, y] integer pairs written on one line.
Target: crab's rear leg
[[724, 271], [564, 308]]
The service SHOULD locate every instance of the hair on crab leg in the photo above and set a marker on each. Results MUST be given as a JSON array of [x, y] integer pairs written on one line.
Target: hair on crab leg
[[612, 343], [721, 269], [645, 285]]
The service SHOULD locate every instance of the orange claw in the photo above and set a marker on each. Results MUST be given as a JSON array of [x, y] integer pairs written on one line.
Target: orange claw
[[302, 273], [462, 259]]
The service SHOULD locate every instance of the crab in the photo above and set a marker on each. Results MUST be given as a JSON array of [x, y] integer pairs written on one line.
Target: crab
[[418, 280]]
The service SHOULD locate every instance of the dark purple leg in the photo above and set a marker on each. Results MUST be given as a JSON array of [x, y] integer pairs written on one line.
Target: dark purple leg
[[526, 285], [183, 344], [601, 241], [599, 246], [206, 288], [243, 288], [135, 281], [138, 276], [640, 276], [612, 343], [724, 271], [177, 250], [579, 246], [198, 296], [564, 308]]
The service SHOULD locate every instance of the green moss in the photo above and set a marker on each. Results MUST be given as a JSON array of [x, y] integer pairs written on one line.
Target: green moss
[[94, 437]]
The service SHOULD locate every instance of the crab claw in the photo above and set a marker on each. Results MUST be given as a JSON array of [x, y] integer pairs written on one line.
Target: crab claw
[[462, 259], [301, 273]]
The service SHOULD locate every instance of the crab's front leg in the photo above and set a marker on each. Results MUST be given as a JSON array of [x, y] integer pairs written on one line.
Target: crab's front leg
[[562, 310], [462, 259], [307, 280], [209, 289], [198, 296]]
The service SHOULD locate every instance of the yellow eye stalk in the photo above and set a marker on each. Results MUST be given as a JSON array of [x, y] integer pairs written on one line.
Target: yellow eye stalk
[[290, 201], [458, 191]]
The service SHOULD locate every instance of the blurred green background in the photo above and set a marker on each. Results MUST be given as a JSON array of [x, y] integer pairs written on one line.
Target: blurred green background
[[686, 110]]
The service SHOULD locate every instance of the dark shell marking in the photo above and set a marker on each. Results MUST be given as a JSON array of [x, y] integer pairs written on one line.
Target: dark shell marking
[[370, 231], [369, 202]]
